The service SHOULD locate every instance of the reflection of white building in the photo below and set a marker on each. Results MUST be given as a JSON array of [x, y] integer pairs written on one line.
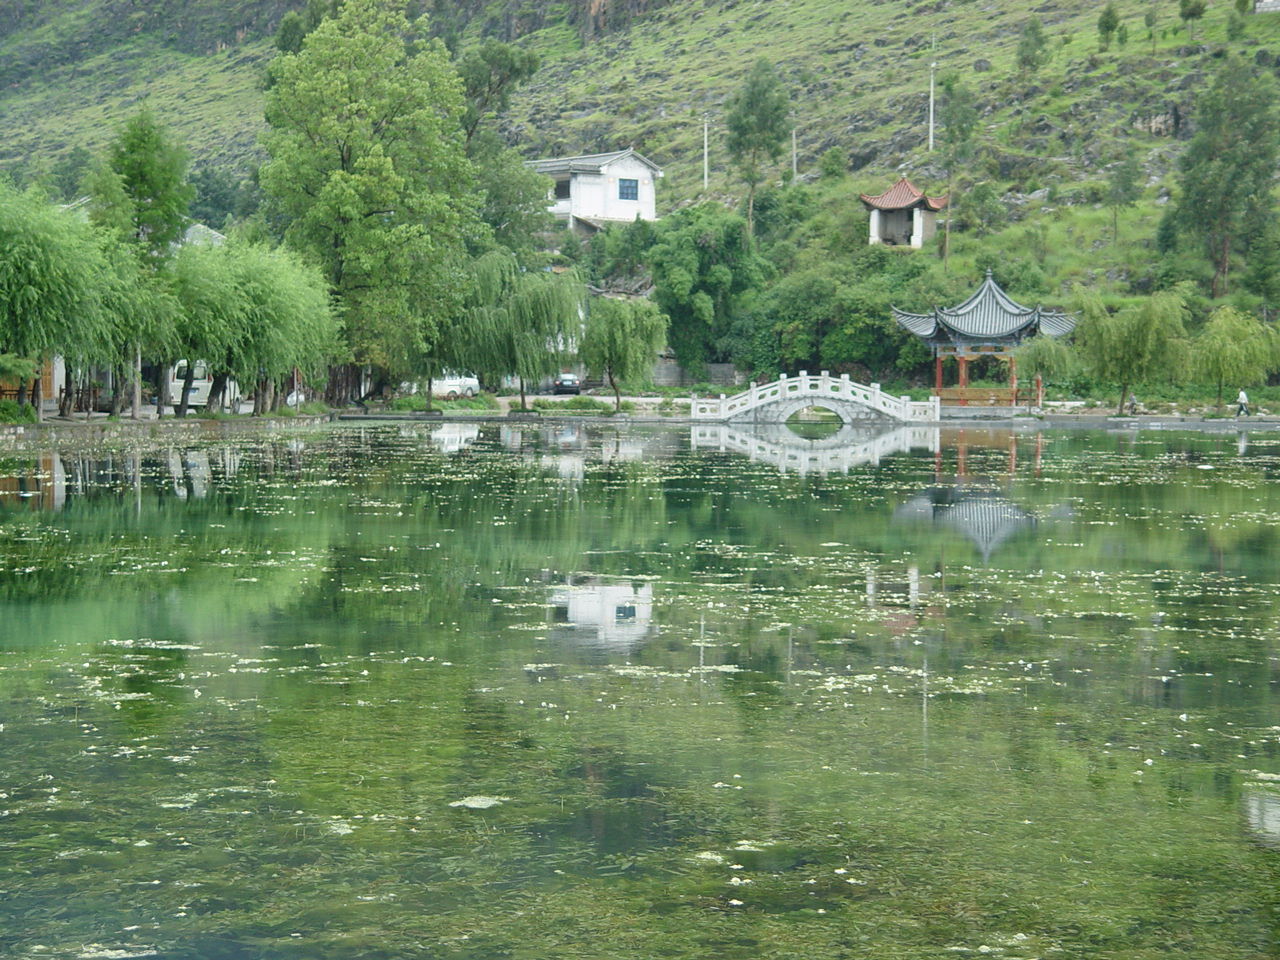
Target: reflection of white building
[[455, 437], [614, 613], [1262, 812], [594, 190]]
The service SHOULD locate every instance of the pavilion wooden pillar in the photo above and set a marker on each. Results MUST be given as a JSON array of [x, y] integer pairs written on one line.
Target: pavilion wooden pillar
[[1013, 381], [937, 372], [964, 377]]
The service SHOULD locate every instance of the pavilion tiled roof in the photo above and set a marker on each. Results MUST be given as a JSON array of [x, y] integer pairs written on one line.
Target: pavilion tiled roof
[[902, 196], [989, 316]]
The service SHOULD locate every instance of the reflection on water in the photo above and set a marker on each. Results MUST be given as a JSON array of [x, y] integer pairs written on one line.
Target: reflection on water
[[617, 615], [847, 448], [704, 693]]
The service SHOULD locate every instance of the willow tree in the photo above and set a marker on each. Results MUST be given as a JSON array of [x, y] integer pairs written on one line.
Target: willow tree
[[1136, 343], [255, 314], [52, 277], [518, 322], [366, 166], [1235, 347], [287, 322], [621, 340]]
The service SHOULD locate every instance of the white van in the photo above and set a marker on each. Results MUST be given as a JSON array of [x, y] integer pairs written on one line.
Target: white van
[[200, 385]]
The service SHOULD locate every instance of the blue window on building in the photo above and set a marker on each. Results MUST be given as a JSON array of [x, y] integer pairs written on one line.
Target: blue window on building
[[628, 189]]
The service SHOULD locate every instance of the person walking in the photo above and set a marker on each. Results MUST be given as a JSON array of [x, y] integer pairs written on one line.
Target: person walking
[[1242, 404]]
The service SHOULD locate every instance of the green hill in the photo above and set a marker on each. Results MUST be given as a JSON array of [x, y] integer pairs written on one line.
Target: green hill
[[631, 72]]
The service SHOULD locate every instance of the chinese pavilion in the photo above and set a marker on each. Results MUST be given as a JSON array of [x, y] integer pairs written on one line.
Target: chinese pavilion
[[902, 215], [988, 323]]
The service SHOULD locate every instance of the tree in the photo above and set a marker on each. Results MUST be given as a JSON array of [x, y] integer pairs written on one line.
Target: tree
[[621, 340], [490, 73], [152, 170], [368, 171], [513, 197], [756, 119], [142, 196], [1108, 23], [959, 116], [52, 274], [253, 313], [703, 264], [1235, 347], [1190, 11], [1149, 20], [1123, 186], [517, 322], [1227, 170], [1135, 343], [1033, 46]]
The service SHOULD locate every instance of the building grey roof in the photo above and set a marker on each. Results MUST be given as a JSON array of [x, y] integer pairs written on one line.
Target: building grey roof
[[587, 163], [989, 316]]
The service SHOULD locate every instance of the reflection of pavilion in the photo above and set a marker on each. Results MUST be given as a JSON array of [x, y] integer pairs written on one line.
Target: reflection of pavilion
[[985, 517], [851, 446], [616, 614]]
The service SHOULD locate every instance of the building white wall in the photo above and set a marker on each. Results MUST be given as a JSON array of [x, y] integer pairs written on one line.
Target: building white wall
[[595, 196]]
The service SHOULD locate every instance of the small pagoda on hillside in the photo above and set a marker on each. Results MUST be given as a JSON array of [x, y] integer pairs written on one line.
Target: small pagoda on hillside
[[902, 215], [989, 323]]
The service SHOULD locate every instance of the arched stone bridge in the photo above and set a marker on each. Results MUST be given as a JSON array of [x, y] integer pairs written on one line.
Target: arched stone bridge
[[776, 402]]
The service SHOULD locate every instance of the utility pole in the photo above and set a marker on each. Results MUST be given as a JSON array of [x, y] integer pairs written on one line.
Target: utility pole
[[706, 122], [933, 68]]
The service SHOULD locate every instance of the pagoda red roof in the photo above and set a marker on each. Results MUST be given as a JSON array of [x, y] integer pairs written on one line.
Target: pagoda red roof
[[902, 196]]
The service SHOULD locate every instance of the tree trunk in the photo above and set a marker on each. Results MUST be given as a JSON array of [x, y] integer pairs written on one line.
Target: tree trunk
[[217, 390], [617, 395], [522, 403], [22, 390], [67, 402], [1124, 393], [36, 388], [188, 378], [1219, 395], [136, 399], [430, 387], [162, 391]]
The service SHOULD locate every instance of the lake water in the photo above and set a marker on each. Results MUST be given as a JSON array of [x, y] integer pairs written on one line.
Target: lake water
[[585, 691]]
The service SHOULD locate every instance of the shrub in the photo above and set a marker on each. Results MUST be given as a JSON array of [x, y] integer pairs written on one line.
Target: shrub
[[10, 412]]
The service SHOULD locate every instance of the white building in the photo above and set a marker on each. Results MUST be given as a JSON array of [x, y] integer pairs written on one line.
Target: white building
[[595, 190]]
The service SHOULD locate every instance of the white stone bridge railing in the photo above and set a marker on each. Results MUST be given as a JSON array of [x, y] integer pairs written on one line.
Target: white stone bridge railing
[[775, 402]]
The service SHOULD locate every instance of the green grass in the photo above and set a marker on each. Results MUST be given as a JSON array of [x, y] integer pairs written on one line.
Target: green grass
[[581, 405], [416, 403]]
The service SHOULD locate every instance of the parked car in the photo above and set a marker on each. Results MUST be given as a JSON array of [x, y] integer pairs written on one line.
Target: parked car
[[566, 383], [453, 385]]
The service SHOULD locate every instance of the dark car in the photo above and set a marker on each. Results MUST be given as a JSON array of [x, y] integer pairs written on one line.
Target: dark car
[[566, 383]]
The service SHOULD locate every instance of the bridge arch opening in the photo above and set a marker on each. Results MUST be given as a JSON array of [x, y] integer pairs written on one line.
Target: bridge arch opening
[[815, 422]]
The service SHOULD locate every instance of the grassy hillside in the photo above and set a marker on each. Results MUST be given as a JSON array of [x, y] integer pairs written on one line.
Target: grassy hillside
[[860, 76], [859, 72], [645, 72]]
